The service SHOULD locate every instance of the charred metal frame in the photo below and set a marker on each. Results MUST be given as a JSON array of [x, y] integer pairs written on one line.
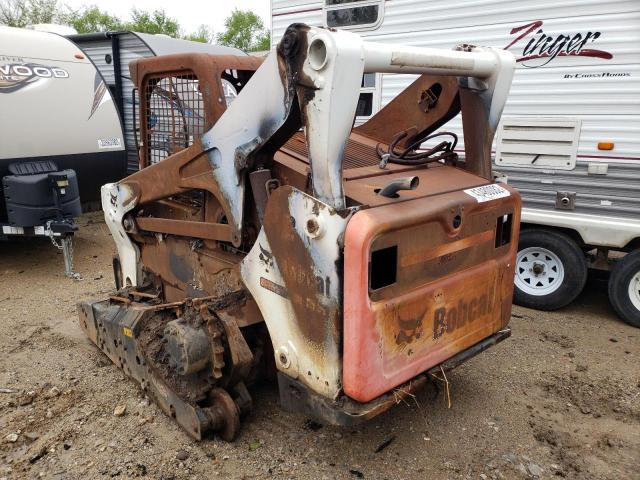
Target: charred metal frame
[[192, 226], [185, 171]]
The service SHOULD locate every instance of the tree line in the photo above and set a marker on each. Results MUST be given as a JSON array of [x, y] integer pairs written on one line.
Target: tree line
[[243, 29]]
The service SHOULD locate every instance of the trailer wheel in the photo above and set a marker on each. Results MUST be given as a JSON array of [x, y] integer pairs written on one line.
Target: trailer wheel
[[551, 270], [624, 288]]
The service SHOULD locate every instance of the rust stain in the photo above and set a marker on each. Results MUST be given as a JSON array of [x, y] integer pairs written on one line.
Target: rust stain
[[444, 252], [318, 316], [274, 287]]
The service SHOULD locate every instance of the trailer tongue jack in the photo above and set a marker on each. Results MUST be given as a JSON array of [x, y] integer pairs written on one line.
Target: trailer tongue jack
[[43, 201]]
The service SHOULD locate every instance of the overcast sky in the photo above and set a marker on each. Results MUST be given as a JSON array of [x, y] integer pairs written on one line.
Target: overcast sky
[[189, 13]]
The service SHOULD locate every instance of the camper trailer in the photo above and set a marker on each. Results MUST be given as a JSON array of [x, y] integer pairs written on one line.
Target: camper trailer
[[569, 139], [111, 52], [60, 136]]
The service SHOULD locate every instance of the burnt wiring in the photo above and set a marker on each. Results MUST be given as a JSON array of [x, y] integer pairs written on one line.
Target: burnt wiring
[[410, 156]]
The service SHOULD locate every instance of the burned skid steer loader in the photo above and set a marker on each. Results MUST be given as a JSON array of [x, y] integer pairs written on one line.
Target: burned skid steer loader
[[265, 236]]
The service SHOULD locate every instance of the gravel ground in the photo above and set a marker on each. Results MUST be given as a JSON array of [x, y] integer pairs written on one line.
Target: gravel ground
[[560, 398]]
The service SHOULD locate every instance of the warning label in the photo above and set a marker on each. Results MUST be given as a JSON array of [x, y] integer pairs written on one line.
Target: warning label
[[486, 193]]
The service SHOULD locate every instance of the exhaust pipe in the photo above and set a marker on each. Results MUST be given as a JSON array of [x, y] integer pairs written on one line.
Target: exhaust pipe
[[405, 183]]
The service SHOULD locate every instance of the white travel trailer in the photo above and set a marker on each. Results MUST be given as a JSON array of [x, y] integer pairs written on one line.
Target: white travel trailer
[[111, 52], [60, 135], [569, 139]]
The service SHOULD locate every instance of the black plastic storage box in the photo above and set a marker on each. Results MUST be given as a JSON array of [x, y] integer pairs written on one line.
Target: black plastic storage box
[[30, 193]]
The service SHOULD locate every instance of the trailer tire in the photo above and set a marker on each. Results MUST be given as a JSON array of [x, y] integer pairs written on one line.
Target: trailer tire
[[624, 288], [551, 270]]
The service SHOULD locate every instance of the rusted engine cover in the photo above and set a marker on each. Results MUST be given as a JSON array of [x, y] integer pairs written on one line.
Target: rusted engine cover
[[424, 280]]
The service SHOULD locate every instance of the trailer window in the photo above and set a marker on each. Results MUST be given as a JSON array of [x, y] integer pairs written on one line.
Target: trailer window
[[353, 14], [368, 100], [174, 115]]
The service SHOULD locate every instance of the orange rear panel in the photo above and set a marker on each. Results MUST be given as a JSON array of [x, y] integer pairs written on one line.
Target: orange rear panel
[[418, 290]]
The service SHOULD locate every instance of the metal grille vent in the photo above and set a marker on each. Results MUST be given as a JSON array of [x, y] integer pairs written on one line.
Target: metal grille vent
[[175, 115], [356, 154], [550, 143]]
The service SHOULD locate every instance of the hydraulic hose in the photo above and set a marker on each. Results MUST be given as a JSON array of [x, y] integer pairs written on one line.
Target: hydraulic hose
[[409, 156]]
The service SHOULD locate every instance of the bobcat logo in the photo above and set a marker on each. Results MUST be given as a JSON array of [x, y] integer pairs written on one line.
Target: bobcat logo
[[447, 320]]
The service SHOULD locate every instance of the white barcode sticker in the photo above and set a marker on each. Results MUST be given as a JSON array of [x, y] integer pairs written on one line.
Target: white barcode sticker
[[9, 230], [486, 193], [109, 142]]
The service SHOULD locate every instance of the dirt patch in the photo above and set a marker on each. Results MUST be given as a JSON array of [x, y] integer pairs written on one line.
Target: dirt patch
[[559, 399], [617, 398], [563, 340]]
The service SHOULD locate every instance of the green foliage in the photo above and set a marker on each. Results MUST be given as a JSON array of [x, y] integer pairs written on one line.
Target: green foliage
[[203, 34], [42, 11], [92, 19], [245, 30], [20, 13], [153, 22], [263, 42]]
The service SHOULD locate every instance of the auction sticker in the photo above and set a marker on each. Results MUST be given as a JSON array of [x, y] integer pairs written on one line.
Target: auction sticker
[[487, 193]]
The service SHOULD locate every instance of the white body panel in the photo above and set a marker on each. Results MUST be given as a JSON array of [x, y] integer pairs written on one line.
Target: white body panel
[[53, 100], [53, 28], [300, 356], [599, 89]]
